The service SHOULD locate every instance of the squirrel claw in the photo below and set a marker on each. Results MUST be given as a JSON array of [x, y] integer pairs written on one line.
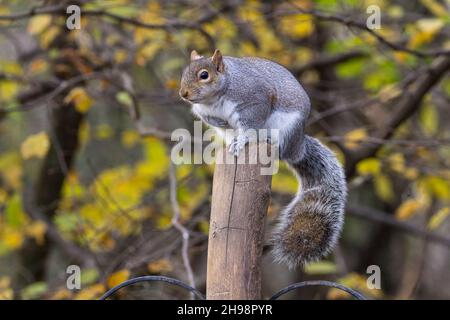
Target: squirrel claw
[[237, 144]]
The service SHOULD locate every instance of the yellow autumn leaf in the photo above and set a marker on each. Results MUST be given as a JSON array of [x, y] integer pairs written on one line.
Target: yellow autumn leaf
[[117, 278], [130, 138], [172, 84], [80, 98], [6, 293], [92, 292], [3, 197], [408, 209], [440, 187], [93, 213], [120, 56], [164, 222], [61, 294], [338, 153], [435, 7], [84, 132], [389, 92], [423, 193], [103, 131], [37, 231], [426, 31], [297, 25], [383, 187], [38, 65], [321, 267], [160, 266], [12, 238], [8, 89], [148, 52], [429, 119], [4, 10], [354, 281], [369, 166], [424, 153], [38, 23], [438, 218], [397, 162], [411, 173], [11, 67], [203, 226], [36, 145], [5, 282], [49, 35], [284, 181], [11, 169], [354, 137], [400, 56]]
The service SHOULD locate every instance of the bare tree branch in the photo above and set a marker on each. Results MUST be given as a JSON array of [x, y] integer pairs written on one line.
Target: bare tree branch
[[329, 61], [176, 223], [381, 217], [349, 22], [407, 105], [170, 25]]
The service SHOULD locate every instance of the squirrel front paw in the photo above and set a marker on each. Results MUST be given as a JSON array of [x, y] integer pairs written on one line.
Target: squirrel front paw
[[237, 144]]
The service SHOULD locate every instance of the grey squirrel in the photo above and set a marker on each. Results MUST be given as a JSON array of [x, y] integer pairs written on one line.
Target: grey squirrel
[[254, 93]]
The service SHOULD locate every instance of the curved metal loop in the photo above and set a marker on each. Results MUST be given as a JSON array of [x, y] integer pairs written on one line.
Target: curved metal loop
[[173, 281], [199, 295], [298, 285]]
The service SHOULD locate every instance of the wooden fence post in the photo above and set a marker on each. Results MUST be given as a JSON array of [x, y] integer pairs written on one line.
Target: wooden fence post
[[239, 206]]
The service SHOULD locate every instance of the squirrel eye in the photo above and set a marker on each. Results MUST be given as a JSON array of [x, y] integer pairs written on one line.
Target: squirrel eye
[[204, 75]]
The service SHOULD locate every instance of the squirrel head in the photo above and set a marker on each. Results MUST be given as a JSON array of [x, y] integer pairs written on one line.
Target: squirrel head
[[203, 79]]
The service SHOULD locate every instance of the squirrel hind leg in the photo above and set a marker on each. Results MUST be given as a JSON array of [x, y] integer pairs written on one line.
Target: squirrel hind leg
[[303, 235]]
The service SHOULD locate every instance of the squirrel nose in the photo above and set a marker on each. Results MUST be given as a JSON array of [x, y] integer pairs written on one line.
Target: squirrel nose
[[184, 93]]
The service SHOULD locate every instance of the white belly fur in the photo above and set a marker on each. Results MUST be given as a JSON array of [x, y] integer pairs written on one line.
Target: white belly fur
[[285, 122], [223, 110], [220, 110]]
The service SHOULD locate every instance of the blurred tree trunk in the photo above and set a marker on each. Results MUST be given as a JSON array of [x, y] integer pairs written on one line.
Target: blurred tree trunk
[[64, 124], [47, 190]]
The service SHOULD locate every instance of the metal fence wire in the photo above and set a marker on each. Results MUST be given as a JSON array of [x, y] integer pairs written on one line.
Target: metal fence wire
[[200, 296]]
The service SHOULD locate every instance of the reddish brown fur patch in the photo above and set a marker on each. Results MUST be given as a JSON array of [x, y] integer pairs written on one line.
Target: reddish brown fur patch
[[305, 233]]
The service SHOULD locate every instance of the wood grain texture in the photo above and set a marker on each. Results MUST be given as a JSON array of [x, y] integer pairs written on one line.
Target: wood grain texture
[[239, 206]]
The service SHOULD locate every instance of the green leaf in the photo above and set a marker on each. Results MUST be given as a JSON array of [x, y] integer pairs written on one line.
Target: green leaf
[[124, 98], [351, 69], [438, 218], [385, 72], [369, 166], [322, 267], [383, 187], [89, 276], [429, 119], [67, 222], [34, 291], [14, 212]]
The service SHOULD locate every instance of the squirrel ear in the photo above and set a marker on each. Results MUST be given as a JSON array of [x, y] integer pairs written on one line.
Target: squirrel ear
[[218, 60], [195, 55]]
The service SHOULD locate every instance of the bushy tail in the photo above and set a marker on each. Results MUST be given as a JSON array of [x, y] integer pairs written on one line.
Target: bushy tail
[[310, 225]]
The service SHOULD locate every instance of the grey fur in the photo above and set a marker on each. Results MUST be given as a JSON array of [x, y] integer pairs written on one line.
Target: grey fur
[[255, 93], [323, 194]]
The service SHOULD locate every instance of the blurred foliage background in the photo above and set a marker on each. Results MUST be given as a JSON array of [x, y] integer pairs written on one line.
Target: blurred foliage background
[[86, 117]]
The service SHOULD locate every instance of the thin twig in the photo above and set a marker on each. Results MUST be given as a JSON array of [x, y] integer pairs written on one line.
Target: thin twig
[[170, 25], [381, 217], [176, 223], [63, 86], [347, 21]]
